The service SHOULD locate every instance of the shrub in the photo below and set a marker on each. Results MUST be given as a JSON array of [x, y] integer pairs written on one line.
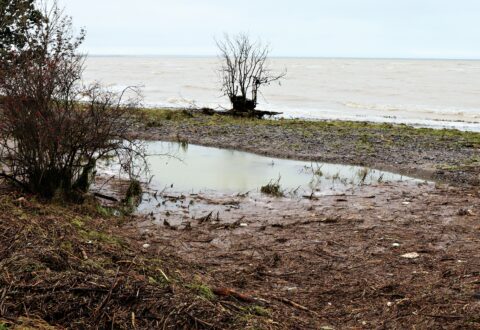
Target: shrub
[[53, 130]]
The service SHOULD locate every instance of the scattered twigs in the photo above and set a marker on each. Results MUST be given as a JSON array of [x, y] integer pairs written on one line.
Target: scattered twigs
[[202, 322], [253, 113], [227, 292], [2, 299], [206, 218], [133, 320], [84, 254], [107, 298], [13, 241], [294, 304], [165, 277], [108, 198], [453, 317]]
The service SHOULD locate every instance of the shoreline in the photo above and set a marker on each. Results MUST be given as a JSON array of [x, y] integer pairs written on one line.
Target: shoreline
[[432, 123], [413, 92]]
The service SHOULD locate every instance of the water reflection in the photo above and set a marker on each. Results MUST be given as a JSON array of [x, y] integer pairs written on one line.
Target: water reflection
[[197, 168]]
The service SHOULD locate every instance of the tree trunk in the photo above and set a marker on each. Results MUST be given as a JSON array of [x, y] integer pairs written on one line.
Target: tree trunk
[[242, 104]]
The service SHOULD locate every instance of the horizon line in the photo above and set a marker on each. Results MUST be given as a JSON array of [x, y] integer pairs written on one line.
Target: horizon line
[[296, 57]]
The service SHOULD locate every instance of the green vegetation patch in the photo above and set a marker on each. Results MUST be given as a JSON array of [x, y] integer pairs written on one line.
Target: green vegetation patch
[[202, 290], [367, 132]]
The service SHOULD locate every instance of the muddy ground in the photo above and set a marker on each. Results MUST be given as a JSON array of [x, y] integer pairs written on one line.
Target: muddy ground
[[74, 267], [389, 256]]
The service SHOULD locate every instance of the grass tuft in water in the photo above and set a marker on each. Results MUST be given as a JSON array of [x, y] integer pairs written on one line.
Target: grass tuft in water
[[273, 188]]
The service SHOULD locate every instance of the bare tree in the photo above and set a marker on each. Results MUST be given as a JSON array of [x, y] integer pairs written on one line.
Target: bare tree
[[53, 130], [244, 70]]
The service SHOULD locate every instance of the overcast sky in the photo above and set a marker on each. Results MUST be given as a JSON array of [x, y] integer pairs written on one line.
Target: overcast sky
[[323, 28]]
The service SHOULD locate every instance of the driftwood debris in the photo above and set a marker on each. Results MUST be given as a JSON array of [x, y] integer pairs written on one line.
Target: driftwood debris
[[108, 198], [227, 292], [294, 304], [259, 114]]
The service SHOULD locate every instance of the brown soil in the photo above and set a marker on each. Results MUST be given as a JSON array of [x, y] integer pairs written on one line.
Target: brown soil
[[339, 261], [247, 262]]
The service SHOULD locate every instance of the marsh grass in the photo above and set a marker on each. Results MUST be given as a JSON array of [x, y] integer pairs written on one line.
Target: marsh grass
[[363, 174]]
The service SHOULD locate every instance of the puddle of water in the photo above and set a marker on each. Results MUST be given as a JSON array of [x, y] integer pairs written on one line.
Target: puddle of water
[[195, 181], [193, 169]]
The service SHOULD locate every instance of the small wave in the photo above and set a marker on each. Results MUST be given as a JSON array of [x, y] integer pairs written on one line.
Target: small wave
[[414, 109], [321, 114], [203, 88], [180, 101]]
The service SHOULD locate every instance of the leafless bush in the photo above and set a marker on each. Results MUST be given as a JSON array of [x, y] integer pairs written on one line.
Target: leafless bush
[[53, 130], [244, 70]]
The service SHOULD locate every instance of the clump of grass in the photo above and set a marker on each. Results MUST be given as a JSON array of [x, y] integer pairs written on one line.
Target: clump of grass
[[314, 169], [99, 236], [380, 178], [258, 310], [133, 196], [183, 142], [78, 222], [202, 290], [157, 117], [134, 189], [103, 211], [363, 173], [273, 188]]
